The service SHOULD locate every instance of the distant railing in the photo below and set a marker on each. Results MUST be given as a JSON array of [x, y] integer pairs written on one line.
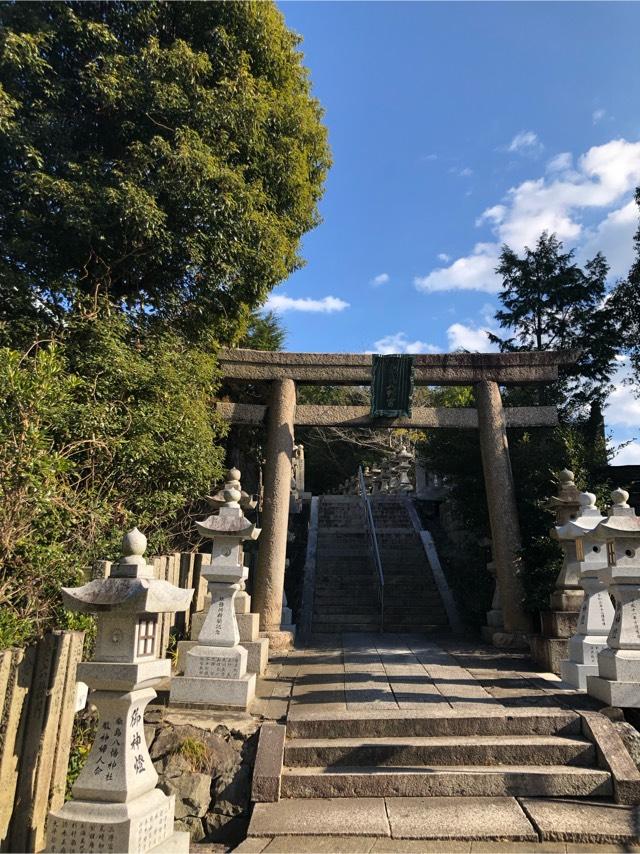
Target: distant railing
[[373, 545]]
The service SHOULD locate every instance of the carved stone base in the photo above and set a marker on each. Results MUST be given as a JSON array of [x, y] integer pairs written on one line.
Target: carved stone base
[[213, 693], [547, 653], [622, 694], [279, 640], [576, 674], [510, 640], [88, 826], [559, 624], [566, 599]]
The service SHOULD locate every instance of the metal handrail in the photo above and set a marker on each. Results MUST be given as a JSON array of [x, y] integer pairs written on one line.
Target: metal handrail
[[373, 544]]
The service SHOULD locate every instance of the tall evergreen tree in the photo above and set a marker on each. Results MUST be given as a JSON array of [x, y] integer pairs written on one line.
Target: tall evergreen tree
[[550, 303], [626, 304]]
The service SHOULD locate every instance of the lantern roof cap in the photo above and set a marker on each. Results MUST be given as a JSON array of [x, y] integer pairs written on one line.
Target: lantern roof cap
[[568, 492], [131, 587], [622, 520], [132, 595], [230, 520], [589, 517]]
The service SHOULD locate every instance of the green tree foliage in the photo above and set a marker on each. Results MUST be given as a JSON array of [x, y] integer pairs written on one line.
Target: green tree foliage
[[107, 429], [159, 164], [264, 331], [626, 304], [550, 303], [169, 155]]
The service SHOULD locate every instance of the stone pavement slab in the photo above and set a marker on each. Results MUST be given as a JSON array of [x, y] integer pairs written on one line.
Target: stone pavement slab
[[321, 816], [419, 846], [583, 821], [459, 818], [321, 845]]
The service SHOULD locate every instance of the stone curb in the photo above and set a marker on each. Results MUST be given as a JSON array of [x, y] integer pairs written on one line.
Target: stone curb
[[267, 771], [613, 754]]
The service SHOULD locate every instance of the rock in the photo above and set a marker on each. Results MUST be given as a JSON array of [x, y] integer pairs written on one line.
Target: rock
[[154, 715], [175, 765], [192, 791], [228, 829], [232, 796], [223, 755], [193, 826]]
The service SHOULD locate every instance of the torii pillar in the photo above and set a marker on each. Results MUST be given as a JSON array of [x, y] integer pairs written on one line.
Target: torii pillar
[[268, 582], [503, 513]]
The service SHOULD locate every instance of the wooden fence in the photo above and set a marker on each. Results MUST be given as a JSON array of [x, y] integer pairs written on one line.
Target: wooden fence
[[37, 708]]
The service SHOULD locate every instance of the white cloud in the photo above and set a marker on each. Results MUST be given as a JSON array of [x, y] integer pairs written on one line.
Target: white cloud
[[473, 273], [603, 182], [628, 456], [326, 305], [561, 162], [598, 116], [462, 173], [380, 279], [469, 337], [399, 343], [623, 407], [526, 142], [444, 257], [613, 236]]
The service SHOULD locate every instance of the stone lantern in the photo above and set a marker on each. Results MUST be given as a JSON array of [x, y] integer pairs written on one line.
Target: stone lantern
[[405, 459], [560, 622], [567, 595], [215, 672], [618, 679], [116, 805], [596, 614]]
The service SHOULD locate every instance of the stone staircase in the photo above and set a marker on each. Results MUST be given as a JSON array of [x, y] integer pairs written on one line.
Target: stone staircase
[[409, 754], [345, 598], [345, 593], [412, 601]]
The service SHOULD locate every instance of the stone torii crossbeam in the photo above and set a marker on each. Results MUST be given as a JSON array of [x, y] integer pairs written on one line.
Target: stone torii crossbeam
[[486, 372]]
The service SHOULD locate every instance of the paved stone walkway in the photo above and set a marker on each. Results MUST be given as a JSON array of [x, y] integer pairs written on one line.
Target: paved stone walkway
[[364, 675], [393, 673]]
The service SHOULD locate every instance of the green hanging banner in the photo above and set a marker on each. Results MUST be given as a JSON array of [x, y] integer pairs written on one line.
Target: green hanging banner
[[391, 386]]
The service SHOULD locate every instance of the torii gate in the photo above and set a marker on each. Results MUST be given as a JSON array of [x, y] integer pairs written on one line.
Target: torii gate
[[486, 372]]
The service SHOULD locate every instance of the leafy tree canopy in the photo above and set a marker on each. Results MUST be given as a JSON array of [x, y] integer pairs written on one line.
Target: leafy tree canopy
[[626, 304], [550, 303], [169, 155]]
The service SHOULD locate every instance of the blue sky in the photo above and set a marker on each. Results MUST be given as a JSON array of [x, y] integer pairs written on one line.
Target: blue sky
[[454, 127]]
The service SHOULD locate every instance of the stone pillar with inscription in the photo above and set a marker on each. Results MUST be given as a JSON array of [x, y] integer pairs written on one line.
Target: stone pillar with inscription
[[116, 806], [618, 679], [560, 622], [215, 670], [596, 613]]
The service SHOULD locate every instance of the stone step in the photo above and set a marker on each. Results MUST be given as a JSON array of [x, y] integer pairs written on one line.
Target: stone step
[[332, 628], [441, 750], [552, 781], [329, 608], [423, 628], [424, 723]]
